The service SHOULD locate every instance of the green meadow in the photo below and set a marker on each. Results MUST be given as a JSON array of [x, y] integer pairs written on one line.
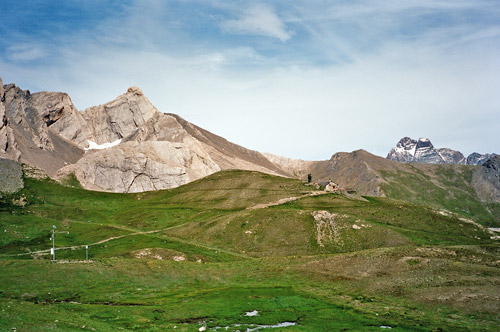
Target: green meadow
[[206, 255]]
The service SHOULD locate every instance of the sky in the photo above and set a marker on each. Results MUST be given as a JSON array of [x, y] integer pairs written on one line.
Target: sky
[[301, 79]]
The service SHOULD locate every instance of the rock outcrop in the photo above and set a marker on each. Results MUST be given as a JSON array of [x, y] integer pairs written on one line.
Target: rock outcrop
[[450, 156], [137, 167], [486, 180], [11, 176], [408, 150], [125, 145], [155, 150], [425, 151], [26, 133], [62, 117], [119, 118], [478, 159]]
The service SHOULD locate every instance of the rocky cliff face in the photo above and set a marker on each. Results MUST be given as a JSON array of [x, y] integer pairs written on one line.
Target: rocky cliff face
[[408, 150], [154, 150], [5, 131], [486, 180], [450, 156], [119, 118], [424, 150], [137, 167], [125, 145], [11, 176], [27, 135], [478, 159]]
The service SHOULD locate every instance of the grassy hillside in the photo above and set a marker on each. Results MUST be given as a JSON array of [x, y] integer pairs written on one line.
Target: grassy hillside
[[442, 186], [446, 187], [204, 254]]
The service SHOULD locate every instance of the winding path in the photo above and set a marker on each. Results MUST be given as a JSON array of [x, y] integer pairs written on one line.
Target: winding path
[[287, 200], [134, 232]]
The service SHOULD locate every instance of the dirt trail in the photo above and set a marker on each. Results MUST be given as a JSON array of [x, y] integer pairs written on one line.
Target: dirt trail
[[47, 251], [255, 207], [286, 200], [80, 246]]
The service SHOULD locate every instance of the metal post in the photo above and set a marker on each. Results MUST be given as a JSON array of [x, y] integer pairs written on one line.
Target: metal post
[[87, 253], [54, 242]]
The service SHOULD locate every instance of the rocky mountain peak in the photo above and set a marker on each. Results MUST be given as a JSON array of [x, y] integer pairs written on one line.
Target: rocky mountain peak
[[478, 159], [408, 150], [135, 90], [486, 179], [404, 151], [125, 145], [451, 156], [119, 118]]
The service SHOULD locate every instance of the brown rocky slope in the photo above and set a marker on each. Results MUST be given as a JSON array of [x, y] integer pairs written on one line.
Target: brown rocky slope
[[125, 145]]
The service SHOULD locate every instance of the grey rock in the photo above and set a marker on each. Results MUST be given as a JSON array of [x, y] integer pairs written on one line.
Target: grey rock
[[141, 166], [408, 150], [404, 151], [478, 159], [11, 176], [29, 138], [119, 118], [426, 153], [451, 156], [60, 115], [153, 150], [411, 151], [486, 180], [8, 146]]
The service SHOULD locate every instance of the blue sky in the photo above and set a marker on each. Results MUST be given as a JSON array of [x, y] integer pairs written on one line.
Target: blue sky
[[296, 78]]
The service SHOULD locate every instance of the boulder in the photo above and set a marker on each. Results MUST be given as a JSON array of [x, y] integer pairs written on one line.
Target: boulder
[[11, 176], [141, 166]]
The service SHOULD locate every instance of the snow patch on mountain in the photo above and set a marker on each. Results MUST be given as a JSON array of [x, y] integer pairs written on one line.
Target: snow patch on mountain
[[408, 150], [95, 146]]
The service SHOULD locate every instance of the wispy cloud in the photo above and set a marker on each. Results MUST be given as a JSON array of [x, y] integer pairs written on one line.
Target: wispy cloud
[[259, 20], [350, 75], [25, 52]]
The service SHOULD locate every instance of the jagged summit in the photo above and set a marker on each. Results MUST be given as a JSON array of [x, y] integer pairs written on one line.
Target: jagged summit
[[125, 145], [135, 90], [408, 150]]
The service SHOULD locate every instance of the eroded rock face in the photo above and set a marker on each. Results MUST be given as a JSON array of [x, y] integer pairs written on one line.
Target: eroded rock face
[[412, 151], [60, 115], [137, 167], [486, 180], [451, 156], [24, 115], [404, 151], [425, 152], [11, 176], [119, 118], [422, 151], [478, 159], [4, 124], [25, 135], [130, 145]]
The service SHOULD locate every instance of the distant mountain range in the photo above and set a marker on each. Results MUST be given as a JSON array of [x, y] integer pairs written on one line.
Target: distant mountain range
[[127, 145], [409, 150]]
